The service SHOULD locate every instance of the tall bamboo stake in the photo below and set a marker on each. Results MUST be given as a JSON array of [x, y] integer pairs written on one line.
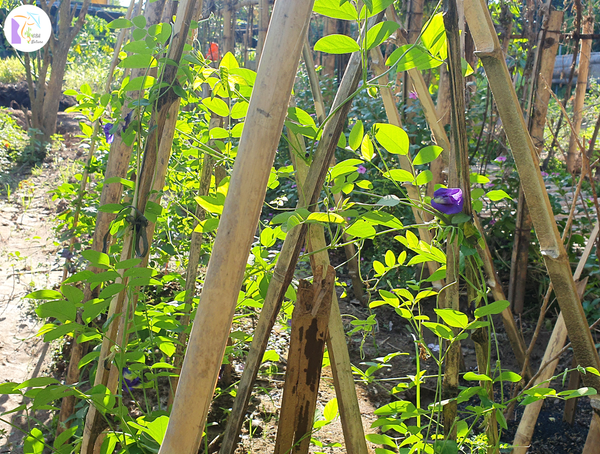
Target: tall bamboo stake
[[573, 154], [349, 249], [267, 110], [263, 26], [287, 261], [552, 249], [555, 344], [537, 122]]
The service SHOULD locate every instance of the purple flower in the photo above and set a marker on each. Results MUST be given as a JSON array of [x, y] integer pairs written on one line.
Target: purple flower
[[413, 95], [448, 200], [109, 137], [488, 185], [500, 159], [129, 381], [361, 169], [492, 222], [544, 174], [66, 254]]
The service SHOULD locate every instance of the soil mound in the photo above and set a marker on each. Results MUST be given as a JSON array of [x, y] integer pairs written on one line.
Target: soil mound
[[17, 96]]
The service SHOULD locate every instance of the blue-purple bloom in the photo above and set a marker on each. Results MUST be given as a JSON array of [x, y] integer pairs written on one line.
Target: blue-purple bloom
[[448, 200], [500, 159], [129, 381], [544, 174], [413, 95], [109, 137], [361, 169]]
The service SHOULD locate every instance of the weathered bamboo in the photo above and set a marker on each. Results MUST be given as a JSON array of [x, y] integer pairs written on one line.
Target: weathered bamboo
[[458, 178], [341, 367], [77, 349], [574, 154], [229, 14], [263, 26], [191, 273], [537, 123], [305, 359], [555, 344], [349, 249], [267, 110], [552, 248], [289, 255]]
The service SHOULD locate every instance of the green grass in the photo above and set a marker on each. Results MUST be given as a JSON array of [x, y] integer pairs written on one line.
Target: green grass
[[11, 71]]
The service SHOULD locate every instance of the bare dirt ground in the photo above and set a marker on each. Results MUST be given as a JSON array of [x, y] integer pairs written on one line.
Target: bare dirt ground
[[28, 261]]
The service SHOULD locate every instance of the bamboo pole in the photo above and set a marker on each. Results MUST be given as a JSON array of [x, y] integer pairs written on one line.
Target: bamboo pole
[[551, 355], [349, 249], [552, 249], [343, 380], [191, 273], [574, 154], [537, 123], [263, 26], [268, 107], [458, 178], [289, 254]]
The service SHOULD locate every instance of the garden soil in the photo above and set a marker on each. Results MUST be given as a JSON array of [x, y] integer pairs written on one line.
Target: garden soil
[[29, 260]]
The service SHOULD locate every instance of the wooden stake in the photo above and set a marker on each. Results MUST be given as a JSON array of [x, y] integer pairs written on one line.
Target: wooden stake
[[574, 155], [264, 121], [303, 370], [537, 123]]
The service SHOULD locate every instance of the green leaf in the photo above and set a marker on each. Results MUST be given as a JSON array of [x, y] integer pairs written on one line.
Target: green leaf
[[424, 177], [508, 376], [480, 179], [326, 217], [361, 229], [472, 376], [111, 208], [228, 61], [120, 23], [333, 9], [129, 263], [45, 295], [331, 410], [356, 135], [337, 44], [140, 83], [9, 388], [434, 37], [491, 309], [445, 447], [498, 194], [157, 428], [392, 138], [378, 267], [217, 105], [409, 57], [375, 7], [37, 382], [34, 442], [380, 439], [139, 21], [138, 61], [239, 110], [62, 310], [379, 33], [73, 294], [390, 258], [439, 330], [453, 318], [96, 258], [400, 175], [427, 154], [270, 355], [366, 148], [394, 408]]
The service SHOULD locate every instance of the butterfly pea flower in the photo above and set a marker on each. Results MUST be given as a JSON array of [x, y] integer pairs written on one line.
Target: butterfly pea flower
[[109, 137], [448, 200], [361, 169], [129, 380]]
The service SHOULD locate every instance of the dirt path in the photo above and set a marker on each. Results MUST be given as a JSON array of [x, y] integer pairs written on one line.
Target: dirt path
[[27, 262]]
